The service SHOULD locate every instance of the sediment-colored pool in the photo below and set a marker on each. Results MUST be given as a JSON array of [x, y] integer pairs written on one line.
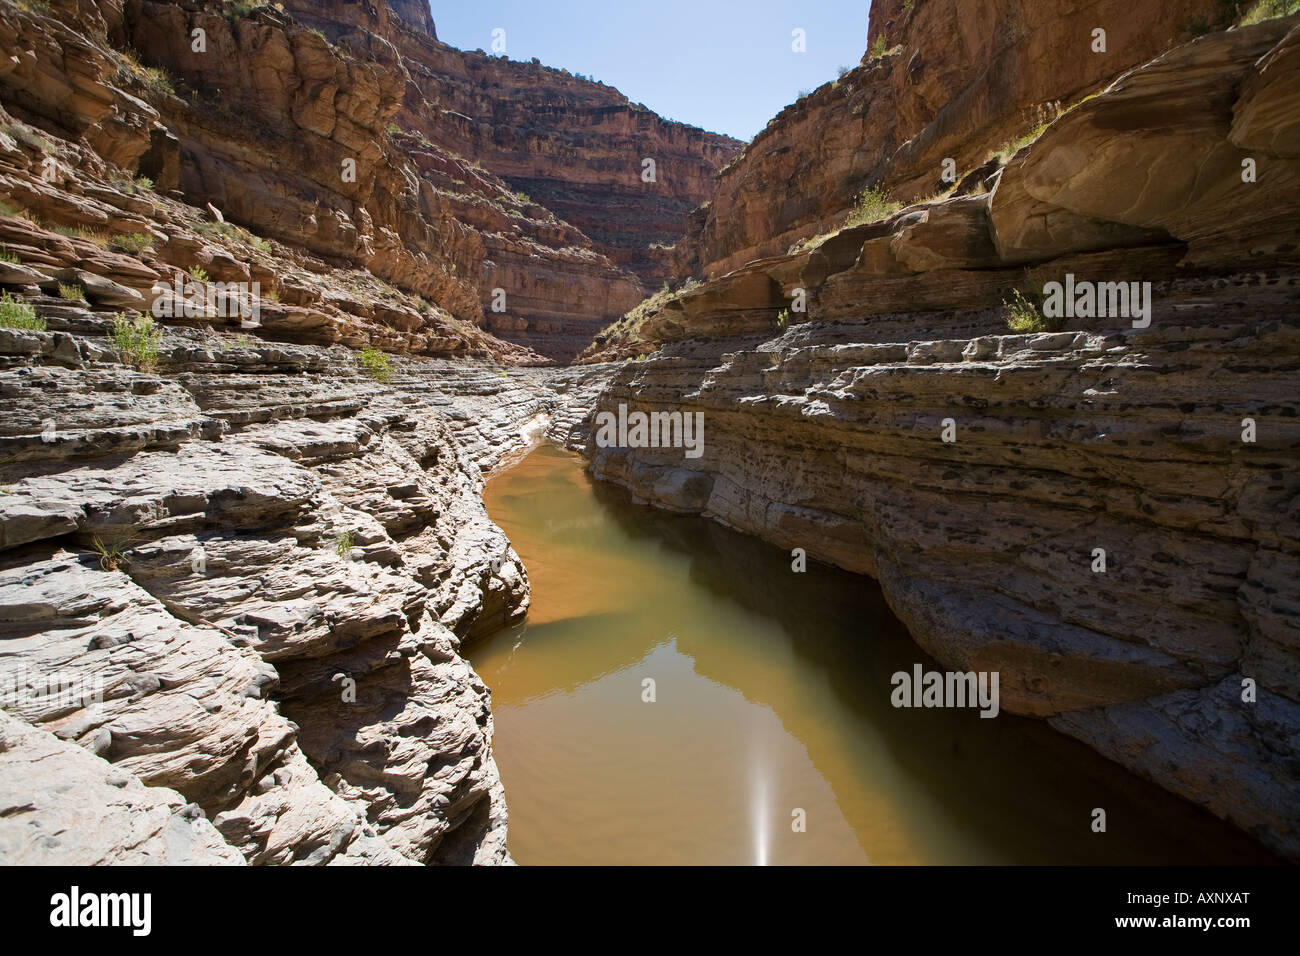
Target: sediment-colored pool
[[771, 705]]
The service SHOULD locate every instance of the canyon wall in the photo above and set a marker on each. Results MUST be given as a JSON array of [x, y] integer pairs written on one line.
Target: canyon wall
[[573, 145], [1100, 508], [242, 548], [942, 79], [96, 148], [254, 553], [469, 174], [256, 568], [234, 589], [356, 137]]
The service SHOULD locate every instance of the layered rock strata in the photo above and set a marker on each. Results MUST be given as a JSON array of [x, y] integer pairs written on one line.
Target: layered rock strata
[[238, 557], [244, 580], [576, 146], [74, 148], [357, 135], [1104, 513]]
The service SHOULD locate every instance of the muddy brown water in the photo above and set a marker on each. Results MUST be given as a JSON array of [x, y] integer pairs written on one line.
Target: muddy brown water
[[772, 696]]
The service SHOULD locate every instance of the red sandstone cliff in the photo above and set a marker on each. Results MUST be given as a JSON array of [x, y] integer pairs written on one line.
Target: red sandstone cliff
[[472, 174], [949, 79], [582, 238], [573, 145]]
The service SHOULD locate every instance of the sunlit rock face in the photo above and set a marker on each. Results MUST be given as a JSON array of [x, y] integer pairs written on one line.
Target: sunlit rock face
[[268, 556], [942, 79], [576, 150], [350, 131], [416, 13], [572, 233], [1102, 511]]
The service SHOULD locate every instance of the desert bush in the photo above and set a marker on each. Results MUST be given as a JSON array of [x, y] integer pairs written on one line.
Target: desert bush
[[344, 544], [136, 341], [871, 205], [17, 314], [376, 365], [131, 242], [1022, 315]]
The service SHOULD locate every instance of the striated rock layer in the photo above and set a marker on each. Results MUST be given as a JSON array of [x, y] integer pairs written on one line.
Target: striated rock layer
[[1171, 445], [357, 135], [244, 580], [574, 145]]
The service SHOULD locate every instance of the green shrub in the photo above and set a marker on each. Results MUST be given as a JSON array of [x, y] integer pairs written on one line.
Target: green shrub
[[1241, 12], [153, 78], [199, 274], [376, 365], [7, 256], [129, 186], [879, 48], [132, 242], [1022, 316], [872, 205], [239, 9], [72, 293], [344, 544], [17, 314], [1267, 9], [136, 341], [1008, 149], [157, 80], [215, 230], [783, 319], [111, 554], [228, 232]]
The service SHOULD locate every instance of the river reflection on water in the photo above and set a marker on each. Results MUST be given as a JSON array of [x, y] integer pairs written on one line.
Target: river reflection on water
[[771, 697]]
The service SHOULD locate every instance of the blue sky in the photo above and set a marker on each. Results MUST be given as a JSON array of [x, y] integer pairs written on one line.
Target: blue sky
[[725, 66]]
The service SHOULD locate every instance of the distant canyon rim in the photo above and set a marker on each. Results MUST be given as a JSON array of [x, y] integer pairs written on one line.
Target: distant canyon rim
[[281, 284]]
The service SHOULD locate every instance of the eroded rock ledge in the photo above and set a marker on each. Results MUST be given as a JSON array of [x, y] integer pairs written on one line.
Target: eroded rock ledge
[[228, 545]]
